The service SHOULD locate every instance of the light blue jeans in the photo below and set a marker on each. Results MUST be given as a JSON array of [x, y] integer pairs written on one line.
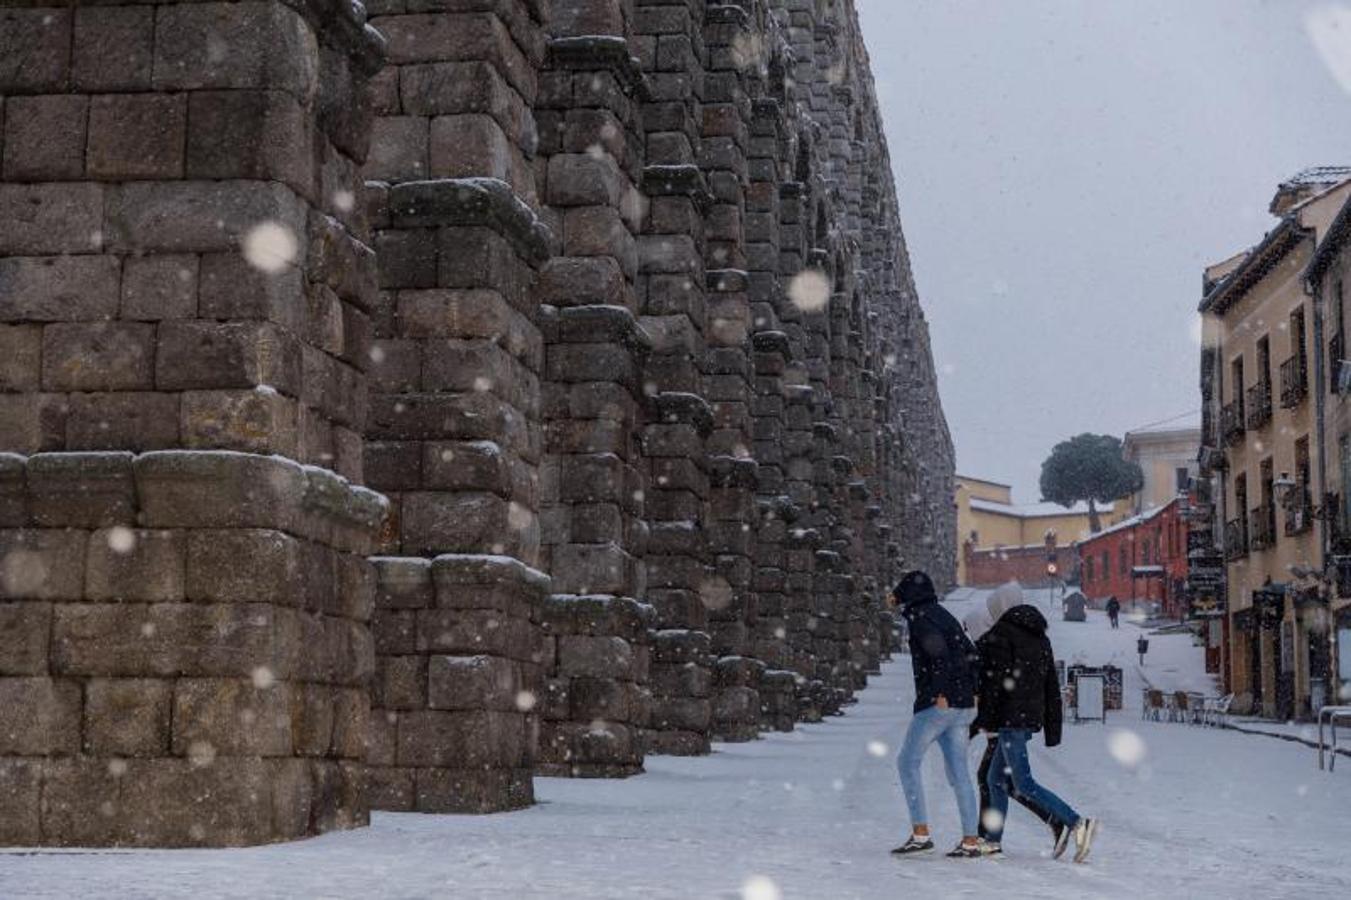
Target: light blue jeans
[[951, 729]]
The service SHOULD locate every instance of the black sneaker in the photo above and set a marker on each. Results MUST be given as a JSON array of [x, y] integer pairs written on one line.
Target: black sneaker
[[965, 851], [1062, 840], [914, 845]]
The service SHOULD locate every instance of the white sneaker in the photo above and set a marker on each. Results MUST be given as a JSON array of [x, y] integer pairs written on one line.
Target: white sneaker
[[1062, 841], [1084, 830], [989, 848]]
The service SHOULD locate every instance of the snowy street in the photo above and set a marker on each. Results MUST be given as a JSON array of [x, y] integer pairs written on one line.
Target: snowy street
[[1203, 812]]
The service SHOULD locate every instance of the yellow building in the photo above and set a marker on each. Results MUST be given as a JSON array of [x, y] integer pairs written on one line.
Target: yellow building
[[988, 519], [1258, 347]]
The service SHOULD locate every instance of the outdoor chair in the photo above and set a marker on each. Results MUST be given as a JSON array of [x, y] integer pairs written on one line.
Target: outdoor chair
[[1216, 710], [1154, 705], [1181, 707]]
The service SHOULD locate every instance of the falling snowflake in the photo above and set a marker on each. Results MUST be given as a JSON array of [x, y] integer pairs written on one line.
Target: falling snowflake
[[760, 887], [270, 247], [878, 749], [1126, 747], [809, 291], [121, 539]]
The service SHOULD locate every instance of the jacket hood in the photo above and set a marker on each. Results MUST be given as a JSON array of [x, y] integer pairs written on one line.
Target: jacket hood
[[1002, 599], [914, 588], [1028, 618]]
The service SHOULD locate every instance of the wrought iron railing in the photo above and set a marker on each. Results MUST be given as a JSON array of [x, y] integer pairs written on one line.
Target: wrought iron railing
[[1294, 381], [1231, 423], [1235, 539], [1259, 404], [1262, 528]]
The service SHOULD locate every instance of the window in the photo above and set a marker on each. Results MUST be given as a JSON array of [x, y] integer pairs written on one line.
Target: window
[[1297, 348], [1236, 373], [1264, 360], [1088, 569], [1125, 561], [1183, 476]]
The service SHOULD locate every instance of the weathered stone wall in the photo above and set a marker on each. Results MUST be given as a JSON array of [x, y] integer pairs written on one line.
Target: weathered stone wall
[[185, 294], [634, 354]]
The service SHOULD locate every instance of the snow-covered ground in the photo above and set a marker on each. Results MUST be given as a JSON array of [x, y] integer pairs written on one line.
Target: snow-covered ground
[[812, 814]]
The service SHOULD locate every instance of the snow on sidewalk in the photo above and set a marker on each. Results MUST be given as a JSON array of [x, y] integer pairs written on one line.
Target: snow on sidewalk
[[1204, 813]]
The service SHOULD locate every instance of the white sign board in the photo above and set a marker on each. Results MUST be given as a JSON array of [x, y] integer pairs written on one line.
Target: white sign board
[[1089, 697]]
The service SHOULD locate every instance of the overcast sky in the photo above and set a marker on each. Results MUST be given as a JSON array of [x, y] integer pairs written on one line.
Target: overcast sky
[[1065, 171]]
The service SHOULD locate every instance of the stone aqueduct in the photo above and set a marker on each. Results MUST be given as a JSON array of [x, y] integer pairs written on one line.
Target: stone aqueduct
[[398, 407]]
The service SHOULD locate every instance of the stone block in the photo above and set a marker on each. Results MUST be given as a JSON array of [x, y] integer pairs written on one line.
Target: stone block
[[135, 565], [469, 146], [113, 48], [20, 358], [391, 789], [98, 356], [403, 582], [250, 421], [41, 564], [231, 717], [198, 355], [25, 628], [137, 136], [474, 632], [457, 523], [127, 717], [159, 287], [186, 216], [399, 149], [45, 137], [33, 422], [124, 420], [400, 682], [20, 801], [168, 639], [57, 289], [158, 802], [311, 719], [213, 572], [467, 790], [81, 490], [234, 46], [475, 739], [473, 683], [250, 134], [597, 657], [38, 219], [34, 50], [39, 717]]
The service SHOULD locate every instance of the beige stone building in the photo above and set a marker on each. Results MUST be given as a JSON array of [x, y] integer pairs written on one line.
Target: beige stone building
[[1260, 431], [1166, 455]]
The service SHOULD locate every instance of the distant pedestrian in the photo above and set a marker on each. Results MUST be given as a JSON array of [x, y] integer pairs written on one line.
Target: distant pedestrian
[[1020, 695], [1142, 647], [977, 623], [943, 661], [1114, 611]]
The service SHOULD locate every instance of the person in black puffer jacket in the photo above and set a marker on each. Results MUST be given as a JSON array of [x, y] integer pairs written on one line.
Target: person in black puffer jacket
[[1019, 696]]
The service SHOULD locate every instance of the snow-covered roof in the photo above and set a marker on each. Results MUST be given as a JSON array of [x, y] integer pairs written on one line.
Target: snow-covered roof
[[1318, 175], [1132, 522], [1036, 510], [1181, 424]]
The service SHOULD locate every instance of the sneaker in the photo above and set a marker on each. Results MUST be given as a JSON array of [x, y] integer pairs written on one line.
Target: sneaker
[[989, 848], [1084, 830], [965, 851], [914, 845], [1062, 840]]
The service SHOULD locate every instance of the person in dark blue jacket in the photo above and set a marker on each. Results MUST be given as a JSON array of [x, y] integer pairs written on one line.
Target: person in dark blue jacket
[[944, 663]]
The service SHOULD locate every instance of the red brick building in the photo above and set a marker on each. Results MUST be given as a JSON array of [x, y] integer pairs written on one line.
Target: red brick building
[[1142, 561], [1026, 565]]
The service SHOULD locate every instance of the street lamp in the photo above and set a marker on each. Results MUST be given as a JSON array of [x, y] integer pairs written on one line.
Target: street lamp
[[1282, 488]]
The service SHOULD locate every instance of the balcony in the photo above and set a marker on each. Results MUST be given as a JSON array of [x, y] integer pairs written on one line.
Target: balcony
[[1299, 514], [1263, 528], [1294, 382], [1231, 423], [1235, 539], [1259, 404]]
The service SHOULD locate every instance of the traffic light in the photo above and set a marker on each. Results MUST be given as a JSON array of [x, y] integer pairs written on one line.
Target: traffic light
[[1052, 569]]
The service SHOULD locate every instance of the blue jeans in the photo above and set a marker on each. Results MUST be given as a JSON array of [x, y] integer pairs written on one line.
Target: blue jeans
[[950, 727], [1011, 767]]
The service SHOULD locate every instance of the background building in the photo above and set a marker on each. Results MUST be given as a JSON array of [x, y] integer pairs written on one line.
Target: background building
[[1261, 443], [999, 533], [1166, 455], [1142, 561]]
